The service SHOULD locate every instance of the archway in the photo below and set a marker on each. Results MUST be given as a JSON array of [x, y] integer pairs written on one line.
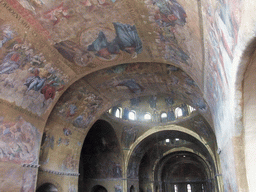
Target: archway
[[99, 188], [47, 187], [100, 158], [151, 149], [183, 171], [87, 99]]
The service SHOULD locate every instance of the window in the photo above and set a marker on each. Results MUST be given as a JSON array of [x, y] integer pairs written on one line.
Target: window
[[175, 188], [132, 115], [189, 187], [178, 112], [118, 113], [163, 117], [191, 109], [147, 116]]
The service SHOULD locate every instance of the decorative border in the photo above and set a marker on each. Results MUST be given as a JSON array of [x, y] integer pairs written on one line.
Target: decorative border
[[58, 172]]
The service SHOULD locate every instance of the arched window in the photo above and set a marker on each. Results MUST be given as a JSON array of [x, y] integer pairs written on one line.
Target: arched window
[[178, 112], [163, 117], [191, 109], [118, 112], [175, 188], [147, 116], [132, 115], [188, 187]]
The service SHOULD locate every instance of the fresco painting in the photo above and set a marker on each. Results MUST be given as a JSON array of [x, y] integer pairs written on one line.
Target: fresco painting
[[222, 34], [107, 45], [105, 168], [46, 144], [131, 85], [19, 141], [129, 135], [142, 81], [81, 109], [166, 17], [201, 128], [96, 39], [29, 181], [32, 82], [70, 163], [67, 131], [62, 141]]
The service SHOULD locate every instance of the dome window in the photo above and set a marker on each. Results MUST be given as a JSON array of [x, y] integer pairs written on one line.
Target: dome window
[[178, 112], [163, 117], [118, 112], [132, 115], [147, 116]]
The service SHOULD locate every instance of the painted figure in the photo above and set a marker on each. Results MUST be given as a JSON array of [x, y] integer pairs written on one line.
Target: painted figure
[[127, 39]]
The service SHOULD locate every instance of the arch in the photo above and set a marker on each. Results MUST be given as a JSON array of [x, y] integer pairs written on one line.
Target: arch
[[243, 95], [47, 187], [147, 116], [132, 115], [97, 104], [174, 160], [249, 96], [178, 113], [163, 117], [135, 153], [177, 128], [99, 188], [100, 157], [132, 189]]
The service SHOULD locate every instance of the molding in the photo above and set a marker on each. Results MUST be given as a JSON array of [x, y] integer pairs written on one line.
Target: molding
[[58, 172], [31, 165]]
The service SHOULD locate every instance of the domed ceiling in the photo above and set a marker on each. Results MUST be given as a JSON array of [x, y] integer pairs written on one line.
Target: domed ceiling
[[48, 45]]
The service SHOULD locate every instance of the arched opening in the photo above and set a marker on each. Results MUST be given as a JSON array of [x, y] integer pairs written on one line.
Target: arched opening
[[100, 157], [150, 161], [99, 188], [47, 187], [132, 189], [184, 171], [132, 115], [163, 117]]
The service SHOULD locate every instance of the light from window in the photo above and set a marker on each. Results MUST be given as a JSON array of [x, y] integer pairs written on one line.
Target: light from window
[[167, 140], [163, 115], [131, 115], [118, 113], [175, 188], [189, 187], [147, 116], [177, 139], [191, 109], [178, 112]]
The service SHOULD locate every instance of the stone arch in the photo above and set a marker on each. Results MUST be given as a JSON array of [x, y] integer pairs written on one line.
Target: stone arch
[[82, 105], [101, 157], [135, 153]]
